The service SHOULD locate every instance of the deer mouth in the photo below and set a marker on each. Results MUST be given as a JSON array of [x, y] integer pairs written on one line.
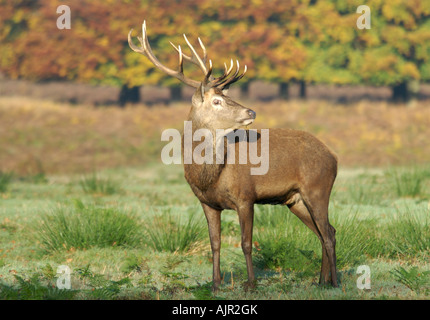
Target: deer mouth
[[247, 122]]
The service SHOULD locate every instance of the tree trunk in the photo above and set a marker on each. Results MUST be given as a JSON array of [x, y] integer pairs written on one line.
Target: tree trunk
[[400, 92], [175, 93], [283, 90], [128, 95], [302, 92]]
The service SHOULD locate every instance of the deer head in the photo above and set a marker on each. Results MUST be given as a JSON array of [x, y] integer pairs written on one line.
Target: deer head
[[211, 107]]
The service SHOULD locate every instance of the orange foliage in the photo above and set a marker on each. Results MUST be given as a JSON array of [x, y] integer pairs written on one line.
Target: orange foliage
[[279, 40]]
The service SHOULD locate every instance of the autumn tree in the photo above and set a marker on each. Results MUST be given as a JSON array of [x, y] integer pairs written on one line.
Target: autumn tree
[[395, 52], [309, 41], [93, 51]]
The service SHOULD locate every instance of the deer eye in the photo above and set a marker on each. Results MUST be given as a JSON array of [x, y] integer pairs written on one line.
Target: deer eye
[[216, 101]]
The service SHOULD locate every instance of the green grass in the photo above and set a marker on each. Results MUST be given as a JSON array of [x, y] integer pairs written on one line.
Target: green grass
[[34, 289], [93, 184], [83, 227], [173, 232], [410, 232], [285, 242], [409, 182], [150, 240], [5, 179], [415, 279], [282, 239]]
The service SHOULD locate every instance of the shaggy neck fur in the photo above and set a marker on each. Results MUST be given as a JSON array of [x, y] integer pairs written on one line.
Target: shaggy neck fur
[[203, 175]]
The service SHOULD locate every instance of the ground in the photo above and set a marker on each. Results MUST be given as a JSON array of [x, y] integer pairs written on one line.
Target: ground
[[84, 187]]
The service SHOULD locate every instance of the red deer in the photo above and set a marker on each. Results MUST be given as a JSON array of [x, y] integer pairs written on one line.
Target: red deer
[[300, 174]]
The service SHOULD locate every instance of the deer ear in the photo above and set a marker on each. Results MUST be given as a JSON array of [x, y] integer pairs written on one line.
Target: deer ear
[[199, 95]]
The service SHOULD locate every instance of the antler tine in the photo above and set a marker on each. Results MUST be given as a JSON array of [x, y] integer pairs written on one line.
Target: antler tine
[[231, 67], [216, 81], [188, 58], [208, 74], [181, 61], [205, 53], [147, 51], [235, 79], [195, 58], [229, 80]]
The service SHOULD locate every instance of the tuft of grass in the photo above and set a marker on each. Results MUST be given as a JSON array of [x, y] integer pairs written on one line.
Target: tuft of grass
[[92, 184], [408, 182], [83, 227], [38, 178], [172, 233], [366, 189], [5, 179], [355, 238], [410, 233]]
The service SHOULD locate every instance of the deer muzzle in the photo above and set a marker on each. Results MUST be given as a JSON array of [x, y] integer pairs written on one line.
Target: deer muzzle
[[250, 117]]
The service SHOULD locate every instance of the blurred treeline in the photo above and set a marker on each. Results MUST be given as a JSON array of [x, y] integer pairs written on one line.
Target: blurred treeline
[[281, 41]]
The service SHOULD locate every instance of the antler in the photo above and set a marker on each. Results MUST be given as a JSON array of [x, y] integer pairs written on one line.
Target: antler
[[146, 50], [222, 82], [195, 57]]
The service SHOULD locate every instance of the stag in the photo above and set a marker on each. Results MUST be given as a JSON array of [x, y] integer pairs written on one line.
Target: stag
[[300, 175]]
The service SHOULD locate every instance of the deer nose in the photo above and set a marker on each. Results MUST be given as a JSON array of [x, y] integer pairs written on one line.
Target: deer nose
[[252, 113]]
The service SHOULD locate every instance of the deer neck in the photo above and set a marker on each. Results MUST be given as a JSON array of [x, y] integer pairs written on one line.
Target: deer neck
[[205, 175]]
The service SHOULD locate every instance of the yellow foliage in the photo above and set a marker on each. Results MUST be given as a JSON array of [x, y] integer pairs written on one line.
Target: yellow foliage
[[409, 69], [279, 40]]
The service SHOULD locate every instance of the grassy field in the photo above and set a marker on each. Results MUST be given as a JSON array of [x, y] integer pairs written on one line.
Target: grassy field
[[140, 234], [82, 187], [43, 136]]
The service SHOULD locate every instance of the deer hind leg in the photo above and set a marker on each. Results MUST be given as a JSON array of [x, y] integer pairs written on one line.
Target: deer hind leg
[[317, 220], [246, 221]]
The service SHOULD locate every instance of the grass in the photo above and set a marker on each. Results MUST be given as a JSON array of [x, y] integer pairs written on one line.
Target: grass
[[281, 239], [410, 232], [285, 242], [82, 227], [92, 184], [138, 244], [136, 231], [414, 279], [409, 182], [168, 232], [5, 179], [34, 289]]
